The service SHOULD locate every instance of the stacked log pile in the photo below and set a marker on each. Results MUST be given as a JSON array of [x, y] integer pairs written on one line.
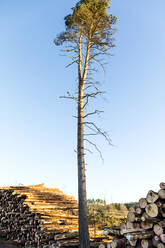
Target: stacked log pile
[[36, 216], [145, 226]]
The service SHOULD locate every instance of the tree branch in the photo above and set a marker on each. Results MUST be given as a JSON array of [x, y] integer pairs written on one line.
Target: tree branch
[[104, 134], [93, 113], [88, 150], [70, 97], [97, 149], [94, 94]]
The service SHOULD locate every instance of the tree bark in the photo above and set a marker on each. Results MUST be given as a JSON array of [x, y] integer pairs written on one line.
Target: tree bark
[[83, 220], [82, 199]]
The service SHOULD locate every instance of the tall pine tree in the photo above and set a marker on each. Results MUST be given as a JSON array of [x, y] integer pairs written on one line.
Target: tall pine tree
[[88, 37]]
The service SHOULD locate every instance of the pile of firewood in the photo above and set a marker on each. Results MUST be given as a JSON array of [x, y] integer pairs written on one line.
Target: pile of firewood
[[27, 227], [17, 222], [36, 216], [145, 225]]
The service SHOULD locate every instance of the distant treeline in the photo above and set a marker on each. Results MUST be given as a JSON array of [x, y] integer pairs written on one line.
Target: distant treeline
[[101, 213]]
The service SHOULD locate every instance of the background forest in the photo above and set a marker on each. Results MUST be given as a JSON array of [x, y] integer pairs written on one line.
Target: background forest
[[101, 214]]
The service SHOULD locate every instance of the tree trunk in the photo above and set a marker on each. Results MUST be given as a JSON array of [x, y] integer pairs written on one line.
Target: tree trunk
[[82, 201]]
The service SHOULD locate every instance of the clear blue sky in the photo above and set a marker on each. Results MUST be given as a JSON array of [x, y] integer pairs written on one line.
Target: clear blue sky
[[37, 131]]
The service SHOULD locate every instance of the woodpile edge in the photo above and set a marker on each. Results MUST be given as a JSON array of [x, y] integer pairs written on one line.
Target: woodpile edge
[[145, 225]]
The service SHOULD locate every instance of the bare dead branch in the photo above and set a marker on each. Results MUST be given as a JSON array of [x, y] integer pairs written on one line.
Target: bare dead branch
[[67, 97], [91, 85], [94, 94], [70, 96], [92, 129], [100, 63], [91, 95], [103, 133], [70, 64], [93, 113], [90, 134], [88, 150], [97, 149], [71, 57]]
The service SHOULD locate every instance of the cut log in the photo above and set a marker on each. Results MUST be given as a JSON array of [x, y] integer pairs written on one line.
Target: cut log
[[140, 235], [138, 210], [155, 241], [133, 242], [152, 196], [101, 246], [160, 245], [158, 230], [146, 225], [133, 230], [162, 223], [123, 226], [162, 185], [131, 209], [146, 217], [152, 210], [158, 203], [145, 243], [129, 225], [161, 193], [162, 210], [131, 239], [113, 244], [142, 203], [162, 238], [143, 217], [65, 236], [136, 225], [119, 243], [69, 245], [131, 217], [114, 231]]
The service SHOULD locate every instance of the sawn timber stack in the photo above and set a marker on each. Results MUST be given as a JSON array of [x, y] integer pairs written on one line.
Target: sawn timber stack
[[145, 225], [34, 216]]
